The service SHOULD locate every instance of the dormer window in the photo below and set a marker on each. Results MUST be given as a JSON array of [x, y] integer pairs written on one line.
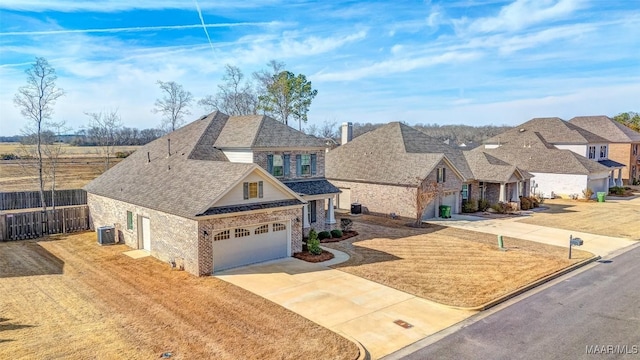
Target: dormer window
[[603, 151], [441, 175], [592, 152]]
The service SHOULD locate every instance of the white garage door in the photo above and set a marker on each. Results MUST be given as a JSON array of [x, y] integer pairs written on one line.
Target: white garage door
[[250, 245], [430, 210], [344, 199], [598, 185], [451, 199]]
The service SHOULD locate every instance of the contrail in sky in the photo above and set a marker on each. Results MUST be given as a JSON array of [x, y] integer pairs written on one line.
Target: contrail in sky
[[136, 29], [204, 26]]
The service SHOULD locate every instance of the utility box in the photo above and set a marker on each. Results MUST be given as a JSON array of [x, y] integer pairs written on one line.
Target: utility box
[[106, 235]]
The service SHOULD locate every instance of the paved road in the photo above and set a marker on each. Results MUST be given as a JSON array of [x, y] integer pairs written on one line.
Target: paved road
[[600, 306]]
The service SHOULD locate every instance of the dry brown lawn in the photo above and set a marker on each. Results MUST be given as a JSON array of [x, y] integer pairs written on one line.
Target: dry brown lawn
[[617, 218], [450, 266], [70, 298]]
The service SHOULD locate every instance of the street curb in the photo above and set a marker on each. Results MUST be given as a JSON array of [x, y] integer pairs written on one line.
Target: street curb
[[529, 286], [364, 354]]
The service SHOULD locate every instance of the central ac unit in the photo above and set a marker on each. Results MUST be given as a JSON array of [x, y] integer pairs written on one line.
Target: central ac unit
[[106, 235]]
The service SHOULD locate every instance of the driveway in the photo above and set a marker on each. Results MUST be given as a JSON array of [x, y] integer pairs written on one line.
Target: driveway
[[596, 244], [347, 304]]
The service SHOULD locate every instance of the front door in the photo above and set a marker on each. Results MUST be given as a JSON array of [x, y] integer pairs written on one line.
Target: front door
[[146, 234]]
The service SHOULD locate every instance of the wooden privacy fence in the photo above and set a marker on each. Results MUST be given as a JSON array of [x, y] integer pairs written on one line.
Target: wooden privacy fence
[[32, 224], [31, 199]]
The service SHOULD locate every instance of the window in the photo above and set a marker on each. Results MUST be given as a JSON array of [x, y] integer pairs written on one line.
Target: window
[[635, 149], [223, 235], [306, 164], [603, 151], [279, 227], [252, 190], [592, 152], [262, 229], [242, 232], [441, 175], [278, 166], [465, 191], [312, 211], [129, 220]]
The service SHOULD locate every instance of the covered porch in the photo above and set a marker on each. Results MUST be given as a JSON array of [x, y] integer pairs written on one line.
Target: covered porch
[[615, 172], [318, 213]]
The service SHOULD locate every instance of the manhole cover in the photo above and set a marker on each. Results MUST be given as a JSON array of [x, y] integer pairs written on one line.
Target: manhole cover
[[403, 323]]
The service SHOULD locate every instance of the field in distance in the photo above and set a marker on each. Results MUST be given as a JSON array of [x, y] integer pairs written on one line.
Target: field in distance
[[76, 167]]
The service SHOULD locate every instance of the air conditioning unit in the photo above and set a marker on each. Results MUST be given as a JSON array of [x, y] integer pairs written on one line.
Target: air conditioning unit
[[106, 235]]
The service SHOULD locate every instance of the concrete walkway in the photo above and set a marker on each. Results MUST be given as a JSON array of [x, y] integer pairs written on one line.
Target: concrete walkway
[[347, 304], [596, 244]]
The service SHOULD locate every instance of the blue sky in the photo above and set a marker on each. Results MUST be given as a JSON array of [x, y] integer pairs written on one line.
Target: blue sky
[[447, 62]]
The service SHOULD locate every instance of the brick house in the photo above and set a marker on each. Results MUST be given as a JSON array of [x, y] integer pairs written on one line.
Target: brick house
[[218, 193], [624, 145], [564, 158], [384, 170]]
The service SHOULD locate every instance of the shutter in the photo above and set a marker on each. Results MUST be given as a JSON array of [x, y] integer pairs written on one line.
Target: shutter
[[245, 190], [286, 164], [270, 164], [444, 174], [298, 165], [313, 164], [260, 189], [312, 210]]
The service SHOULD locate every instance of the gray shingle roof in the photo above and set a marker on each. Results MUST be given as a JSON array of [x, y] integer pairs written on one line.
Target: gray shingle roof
[[607, 128], [611, 163], [312, 187], [539, 159], [486, 167], [258, 131], [249, 207], [549, 130], [184, 183], [392, 154]]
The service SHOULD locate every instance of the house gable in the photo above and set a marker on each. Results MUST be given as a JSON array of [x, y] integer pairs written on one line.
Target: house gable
[[267, 191]]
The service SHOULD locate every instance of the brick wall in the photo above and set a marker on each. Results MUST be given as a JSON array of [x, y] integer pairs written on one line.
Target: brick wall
[[172, 237], [260, 158], [212, 226], [622, 153]]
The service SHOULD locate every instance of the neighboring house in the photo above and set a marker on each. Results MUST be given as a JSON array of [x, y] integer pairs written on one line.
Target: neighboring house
[[624, 145], [218, 193], [384, 169], [564, 158]]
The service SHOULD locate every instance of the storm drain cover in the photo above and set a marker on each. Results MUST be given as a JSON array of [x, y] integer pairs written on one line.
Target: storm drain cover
[[403, 323]]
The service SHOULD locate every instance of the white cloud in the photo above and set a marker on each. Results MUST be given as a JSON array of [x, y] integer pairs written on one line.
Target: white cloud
[[523, 13], [122, 5]]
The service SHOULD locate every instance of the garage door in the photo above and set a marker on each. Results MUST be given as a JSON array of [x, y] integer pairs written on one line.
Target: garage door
[[250, 244], [451, 199], [430, 211], [344, 199]]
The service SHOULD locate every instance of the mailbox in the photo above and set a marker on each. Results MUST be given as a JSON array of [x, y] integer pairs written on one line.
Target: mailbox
[[576, 242]]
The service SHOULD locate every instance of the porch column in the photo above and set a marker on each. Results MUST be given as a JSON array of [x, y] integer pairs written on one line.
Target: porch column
[[305, 216], [502, 193], [330, 216], [620, 177], [611, 179]]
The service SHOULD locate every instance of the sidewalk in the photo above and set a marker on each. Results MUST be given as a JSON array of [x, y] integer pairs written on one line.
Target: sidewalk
[[596, 244]]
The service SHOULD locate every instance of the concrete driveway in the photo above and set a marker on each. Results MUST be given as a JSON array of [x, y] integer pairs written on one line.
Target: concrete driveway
[[347, 304], [596, 244]]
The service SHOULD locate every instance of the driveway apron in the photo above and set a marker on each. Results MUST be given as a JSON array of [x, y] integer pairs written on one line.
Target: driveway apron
[[371, 313]]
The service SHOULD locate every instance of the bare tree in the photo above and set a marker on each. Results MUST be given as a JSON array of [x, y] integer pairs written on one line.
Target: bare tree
[[427, 192], [103, 129], [235, 97], [329, 129], [36, 100], [173, 106], [53, 150]]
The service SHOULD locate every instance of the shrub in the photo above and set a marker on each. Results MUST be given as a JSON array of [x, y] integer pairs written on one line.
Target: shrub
[[9, 157], [313, 243], [587, 193], [500, 208], [323, 235], [525, 203], [483, 205], [345, 224], [618, 190], [337, 233], [469, 206]]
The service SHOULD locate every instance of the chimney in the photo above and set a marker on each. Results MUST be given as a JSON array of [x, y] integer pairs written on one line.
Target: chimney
[[347, 132]]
